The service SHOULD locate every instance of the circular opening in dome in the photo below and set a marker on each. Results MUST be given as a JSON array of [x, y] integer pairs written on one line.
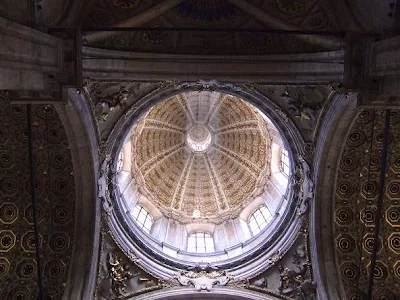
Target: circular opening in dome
[[204, 177], [198, 138]]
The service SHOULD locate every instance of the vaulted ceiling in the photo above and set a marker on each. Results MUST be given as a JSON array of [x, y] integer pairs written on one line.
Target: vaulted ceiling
[[356, 208], [55, 198], [306, 15], [202, 151]]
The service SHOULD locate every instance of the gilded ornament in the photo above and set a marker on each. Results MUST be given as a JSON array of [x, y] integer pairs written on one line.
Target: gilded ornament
[[126, 4], [119, 274], [293, 6], [203, 280]]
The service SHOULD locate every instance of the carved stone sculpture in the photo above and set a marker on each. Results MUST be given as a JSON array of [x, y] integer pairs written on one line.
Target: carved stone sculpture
[[203, 280], [114, 102], [294, 283], [262, 282], [299, 107], [102, 185], [305, 186], [118, 273]]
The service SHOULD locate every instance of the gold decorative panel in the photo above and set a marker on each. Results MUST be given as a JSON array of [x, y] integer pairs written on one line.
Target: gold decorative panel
[[355, 208], [55, 196]]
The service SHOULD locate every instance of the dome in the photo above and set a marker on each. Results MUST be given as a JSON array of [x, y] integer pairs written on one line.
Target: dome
[[202, 155], [201, 176]]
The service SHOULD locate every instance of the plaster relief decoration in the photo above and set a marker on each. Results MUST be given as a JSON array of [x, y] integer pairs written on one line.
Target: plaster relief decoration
[[299, 108], [290, 277], [126, 4], [119, 276], [102, 185], [207, 10], [295, 284], [203, 280], [293, 6], [304, 187], [115, 102], [109, 100], [303, 105]]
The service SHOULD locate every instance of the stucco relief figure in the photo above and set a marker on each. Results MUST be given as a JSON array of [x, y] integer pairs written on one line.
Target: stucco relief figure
[[305, 186], [299, 254], [293, 283], [114, 102], [262, 282], [300, 108], [102, 185], [119, 274], [306, 290]]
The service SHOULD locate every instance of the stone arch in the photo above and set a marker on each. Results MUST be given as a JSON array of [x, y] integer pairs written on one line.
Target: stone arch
[[342, 113], [82, 139], [214, 294]]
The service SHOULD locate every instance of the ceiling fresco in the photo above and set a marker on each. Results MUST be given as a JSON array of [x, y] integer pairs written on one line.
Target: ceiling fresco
[[355, 208], [202, 151], [304, 15], [55, 199]]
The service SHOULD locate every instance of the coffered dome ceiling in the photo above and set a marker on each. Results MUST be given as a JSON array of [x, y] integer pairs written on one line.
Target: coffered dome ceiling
[[201, 154]]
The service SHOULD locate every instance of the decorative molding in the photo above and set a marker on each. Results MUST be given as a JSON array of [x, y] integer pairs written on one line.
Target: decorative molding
[[309, 68], [304, 186], [103, 184], [203, 280]]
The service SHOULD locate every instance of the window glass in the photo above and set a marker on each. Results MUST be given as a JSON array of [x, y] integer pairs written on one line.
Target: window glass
[[200, 242], [259, 220], [285, 162], [142, 218]]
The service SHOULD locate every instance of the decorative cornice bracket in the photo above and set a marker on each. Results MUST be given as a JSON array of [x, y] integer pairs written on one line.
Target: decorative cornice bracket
[[203, 280]]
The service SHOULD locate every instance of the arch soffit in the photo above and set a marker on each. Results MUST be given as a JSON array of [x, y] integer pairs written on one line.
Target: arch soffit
[[82, 140], [331, 140]]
